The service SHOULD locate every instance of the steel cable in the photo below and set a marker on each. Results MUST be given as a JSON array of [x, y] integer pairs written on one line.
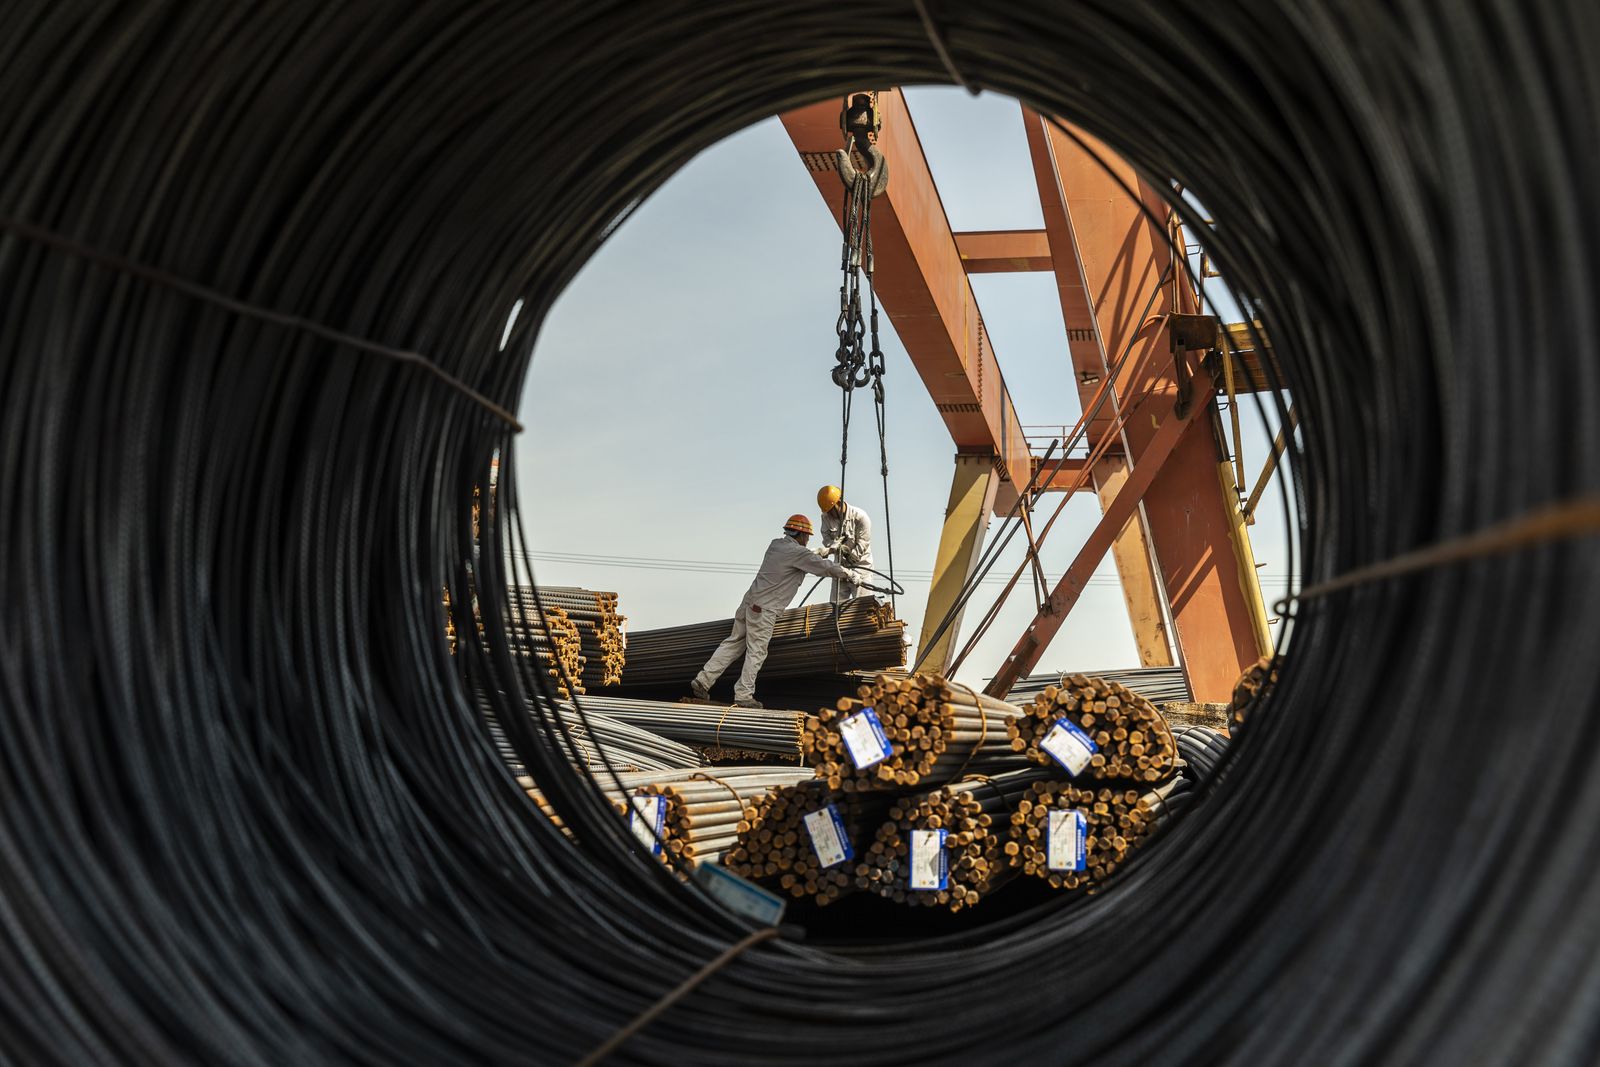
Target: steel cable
[[252, 815]]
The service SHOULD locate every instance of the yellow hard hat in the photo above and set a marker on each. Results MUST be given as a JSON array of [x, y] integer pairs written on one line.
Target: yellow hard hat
[[828, 497]]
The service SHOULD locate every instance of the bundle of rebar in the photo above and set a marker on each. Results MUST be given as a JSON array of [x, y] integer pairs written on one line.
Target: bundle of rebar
[[1257, 680], [1095, 729], [945, 847], [616, 788], [600, 629], [1159, 685], [625, 745], [904, 731], [719, 732], [578, 627], [552, 638], [1075, 837], [699, 817], [805, 837], [865, 635]]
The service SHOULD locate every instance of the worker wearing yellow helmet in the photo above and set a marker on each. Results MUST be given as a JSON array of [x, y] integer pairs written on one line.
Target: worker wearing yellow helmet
[[783, 569], [846, 536]]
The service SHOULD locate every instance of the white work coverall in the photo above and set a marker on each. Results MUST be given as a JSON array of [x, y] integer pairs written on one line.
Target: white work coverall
[[849, 540], [784, 567]]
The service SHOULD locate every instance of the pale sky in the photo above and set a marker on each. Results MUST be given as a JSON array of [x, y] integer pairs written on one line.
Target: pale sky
[[679, 407]]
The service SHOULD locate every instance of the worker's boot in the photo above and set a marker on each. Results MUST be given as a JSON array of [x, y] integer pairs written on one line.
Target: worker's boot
[[698, 691], [748, 702]]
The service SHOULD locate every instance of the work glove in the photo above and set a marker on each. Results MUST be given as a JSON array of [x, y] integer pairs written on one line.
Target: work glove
[[822, 550]]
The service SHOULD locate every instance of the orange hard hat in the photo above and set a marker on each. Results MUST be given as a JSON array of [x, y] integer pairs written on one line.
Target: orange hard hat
[[799, 524], [828, 497]]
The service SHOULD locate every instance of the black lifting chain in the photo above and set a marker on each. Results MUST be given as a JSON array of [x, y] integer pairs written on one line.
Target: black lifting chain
[[865, 174]]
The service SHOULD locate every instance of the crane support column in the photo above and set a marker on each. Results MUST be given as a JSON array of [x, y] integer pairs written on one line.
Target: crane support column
[[1136, 568], [1120, 282], [966, 520]]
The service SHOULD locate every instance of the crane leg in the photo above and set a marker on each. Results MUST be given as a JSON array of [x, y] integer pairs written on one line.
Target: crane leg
[[966, 520]]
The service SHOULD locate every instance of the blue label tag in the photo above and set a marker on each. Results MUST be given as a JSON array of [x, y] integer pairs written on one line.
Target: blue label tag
[[739, 895], [1069, 746], [864, 739], [647, 821], [930, 863], [1067, 840], [828, 837]]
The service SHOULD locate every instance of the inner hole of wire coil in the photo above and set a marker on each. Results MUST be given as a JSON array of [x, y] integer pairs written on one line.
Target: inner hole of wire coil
[[675, 424]]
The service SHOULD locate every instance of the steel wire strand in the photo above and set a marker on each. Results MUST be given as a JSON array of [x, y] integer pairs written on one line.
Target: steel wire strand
[[254, 816]]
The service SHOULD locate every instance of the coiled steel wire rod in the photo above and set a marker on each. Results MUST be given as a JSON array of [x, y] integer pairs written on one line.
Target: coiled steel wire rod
[[252, 815]]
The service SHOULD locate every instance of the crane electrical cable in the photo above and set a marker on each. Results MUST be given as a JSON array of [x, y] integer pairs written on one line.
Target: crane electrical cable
[[253, 815]]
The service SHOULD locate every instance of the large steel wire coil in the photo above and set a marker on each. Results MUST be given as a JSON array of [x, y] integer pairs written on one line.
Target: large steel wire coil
[[251, 815]]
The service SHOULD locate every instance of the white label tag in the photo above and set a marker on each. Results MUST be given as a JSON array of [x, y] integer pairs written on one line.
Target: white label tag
[[930, 863], [739, 895], [647, 821], [864, 737], [1069, 746], [828, 838], [1068, 837]]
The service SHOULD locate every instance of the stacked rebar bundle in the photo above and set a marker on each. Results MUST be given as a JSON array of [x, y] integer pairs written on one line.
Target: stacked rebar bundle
[[1253, 684], [699, 817], [721, 733], [945, 847], [805, 641], [1159, 685], [1095, 729], [905, 731], [1075, 837], [627, 746], [551, 638], [603, 642], [805, 837], [616, 788]]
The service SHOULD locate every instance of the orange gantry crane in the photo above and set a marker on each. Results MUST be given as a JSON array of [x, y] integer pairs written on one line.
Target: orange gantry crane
[[1155, 455]]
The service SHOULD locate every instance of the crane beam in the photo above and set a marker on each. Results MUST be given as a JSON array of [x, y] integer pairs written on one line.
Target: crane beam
[[1004, 251]]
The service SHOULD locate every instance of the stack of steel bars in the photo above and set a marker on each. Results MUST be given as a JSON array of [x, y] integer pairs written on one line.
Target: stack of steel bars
[[627, 746], [596, 630], [945, 847], [1075, 837], [926, 730], [552, 638], [722, 733], [955, 844], [692, 814], [1117, 733], [1257, 680], [804, 836], [1159, 685], [861, 635], [699, 818]]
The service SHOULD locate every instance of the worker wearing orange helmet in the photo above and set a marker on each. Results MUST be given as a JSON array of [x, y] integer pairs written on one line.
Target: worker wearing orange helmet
[[783, 569], [846, 535]]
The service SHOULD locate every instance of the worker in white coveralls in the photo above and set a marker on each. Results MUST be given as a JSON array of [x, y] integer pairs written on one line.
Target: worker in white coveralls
[[846, 536], [783, 569]]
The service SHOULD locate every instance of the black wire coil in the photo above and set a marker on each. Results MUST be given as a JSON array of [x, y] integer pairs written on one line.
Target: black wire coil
[[250, 815]]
